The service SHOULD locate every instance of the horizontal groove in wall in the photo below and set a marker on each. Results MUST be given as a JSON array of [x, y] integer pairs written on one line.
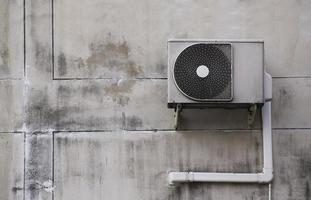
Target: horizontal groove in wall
[[44, 132], [117, 78], [291, 129], [155, 78], [11, 79], [289, 77], [152, 131], [171, 130], [16, 132], [115, 130]]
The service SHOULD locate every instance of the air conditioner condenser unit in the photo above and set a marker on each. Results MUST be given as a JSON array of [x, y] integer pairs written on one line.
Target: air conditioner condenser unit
[[215, 73], [225, 74]]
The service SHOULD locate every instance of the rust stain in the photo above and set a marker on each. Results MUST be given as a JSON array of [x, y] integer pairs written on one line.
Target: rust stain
[[133, 70], [113, 56], [101, 53], [121, 49]]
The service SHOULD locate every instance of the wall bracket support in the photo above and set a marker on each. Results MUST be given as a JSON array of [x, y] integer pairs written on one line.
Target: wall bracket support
[[178, 110], [252, 110]]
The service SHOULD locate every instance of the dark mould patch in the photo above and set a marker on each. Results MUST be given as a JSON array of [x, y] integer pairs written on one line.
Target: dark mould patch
[[176, 193], [4, 61], [123, 121], [284, 98], [305, 163], [39, 149], [62, 64], [133, 122], [80, 63], [119, 87], [92, 89], [130, 159], [38, 162], [32, 187], [42, 115], [43, 57], [162, 69], [258, 149], [122, 100], [196, 190], [64, 92], [15, 189], [62, 142], [307, 190], [283, 91], [118, 91]]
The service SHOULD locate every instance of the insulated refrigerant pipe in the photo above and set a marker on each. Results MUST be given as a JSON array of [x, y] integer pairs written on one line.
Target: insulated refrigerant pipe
[[265, 176]]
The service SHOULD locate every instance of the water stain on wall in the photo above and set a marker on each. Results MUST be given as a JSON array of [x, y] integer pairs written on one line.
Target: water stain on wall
[[62, 64], [119, 87], [285, 96], [42, 114], [133, 122], [4, 61], [114, 56], [119, 90], [38, 154], [100, 51], [43, 57], [107, 59]]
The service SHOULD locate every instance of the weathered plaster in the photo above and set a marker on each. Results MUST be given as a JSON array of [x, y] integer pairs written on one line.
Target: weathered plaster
[[92, 101]]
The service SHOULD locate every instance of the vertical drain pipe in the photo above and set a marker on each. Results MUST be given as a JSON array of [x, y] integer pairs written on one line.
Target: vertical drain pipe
[[265, 176]]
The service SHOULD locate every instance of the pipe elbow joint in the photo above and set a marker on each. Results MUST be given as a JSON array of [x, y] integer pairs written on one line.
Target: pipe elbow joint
[[266, 176]]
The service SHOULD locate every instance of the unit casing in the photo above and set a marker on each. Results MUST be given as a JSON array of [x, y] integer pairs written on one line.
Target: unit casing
[[238, 67]]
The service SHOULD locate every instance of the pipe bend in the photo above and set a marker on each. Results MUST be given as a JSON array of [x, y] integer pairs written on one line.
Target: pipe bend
[[266, 176]]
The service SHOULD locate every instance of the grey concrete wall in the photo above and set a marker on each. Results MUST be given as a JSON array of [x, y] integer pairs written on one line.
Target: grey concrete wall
[[83, 107], [12, 165]]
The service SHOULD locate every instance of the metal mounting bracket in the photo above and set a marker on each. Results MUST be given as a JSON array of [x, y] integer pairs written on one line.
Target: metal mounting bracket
[[252, 110], [177, 115]]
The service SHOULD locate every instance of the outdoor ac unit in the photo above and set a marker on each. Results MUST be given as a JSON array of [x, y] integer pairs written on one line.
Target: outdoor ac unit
[[221, 73], [215, 73]]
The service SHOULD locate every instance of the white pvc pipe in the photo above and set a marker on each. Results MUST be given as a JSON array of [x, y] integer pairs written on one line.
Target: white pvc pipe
[[267, 174]]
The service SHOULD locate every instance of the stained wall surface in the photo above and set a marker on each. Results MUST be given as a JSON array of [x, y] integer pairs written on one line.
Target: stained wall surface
[[84, 91]]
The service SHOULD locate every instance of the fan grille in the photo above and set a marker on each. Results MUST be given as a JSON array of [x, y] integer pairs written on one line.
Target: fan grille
[[217, 84]]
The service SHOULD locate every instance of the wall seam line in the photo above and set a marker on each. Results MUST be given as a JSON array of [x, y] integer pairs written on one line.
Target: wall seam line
[[24, 177], [53, 167], [25, 75], [53, 62], [139, 78], [24, 35]]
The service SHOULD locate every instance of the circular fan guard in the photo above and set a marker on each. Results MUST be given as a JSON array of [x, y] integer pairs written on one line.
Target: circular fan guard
[[217, 84]]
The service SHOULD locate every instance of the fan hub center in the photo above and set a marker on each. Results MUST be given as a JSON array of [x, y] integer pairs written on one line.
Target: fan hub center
[[202, 71]]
